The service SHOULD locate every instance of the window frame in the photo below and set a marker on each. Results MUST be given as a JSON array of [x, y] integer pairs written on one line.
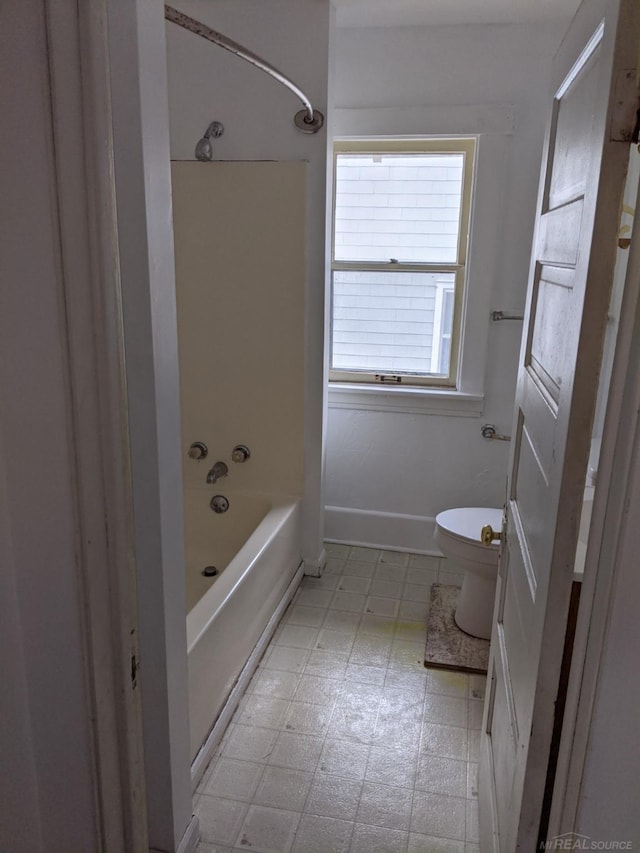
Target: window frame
[[467, 146]]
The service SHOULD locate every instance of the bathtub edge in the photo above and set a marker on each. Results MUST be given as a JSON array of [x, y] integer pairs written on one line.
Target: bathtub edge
[[202, 614], [206, 751]]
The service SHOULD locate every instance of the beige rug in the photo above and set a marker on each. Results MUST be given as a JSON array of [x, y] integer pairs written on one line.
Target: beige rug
[[447, 646]]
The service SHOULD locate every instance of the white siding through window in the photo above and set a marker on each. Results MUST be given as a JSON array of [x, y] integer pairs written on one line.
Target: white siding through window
[[384, 321], [405, 207]]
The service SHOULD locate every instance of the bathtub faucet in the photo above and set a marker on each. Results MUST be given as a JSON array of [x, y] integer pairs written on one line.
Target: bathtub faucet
[[219, 470]]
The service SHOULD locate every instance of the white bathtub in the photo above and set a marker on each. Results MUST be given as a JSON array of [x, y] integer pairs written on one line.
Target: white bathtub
[[256, 547]]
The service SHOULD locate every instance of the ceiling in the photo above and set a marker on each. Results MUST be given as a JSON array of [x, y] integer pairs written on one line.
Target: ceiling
[[415, 13]]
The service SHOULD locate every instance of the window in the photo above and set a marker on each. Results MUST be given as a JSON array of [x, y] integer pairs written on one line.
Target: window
[[400, 231]]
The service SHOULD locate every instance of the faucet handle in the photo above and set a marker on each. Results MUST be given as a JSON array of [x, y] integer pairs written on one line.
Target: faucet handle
[[198, 450], [240, 453]]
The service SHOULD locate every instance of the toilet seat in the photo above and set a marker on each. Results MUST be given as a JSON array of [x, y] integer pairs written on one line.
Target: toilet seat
[[465, 523]]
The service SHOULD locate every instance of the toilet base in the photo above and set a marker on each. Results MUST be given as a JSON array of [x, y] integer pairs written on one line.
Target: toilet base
[[474, 613]]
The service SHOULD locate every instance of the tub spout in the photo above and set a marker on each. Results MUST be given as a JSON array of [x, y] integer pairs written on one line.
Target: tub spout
[[219, 470]]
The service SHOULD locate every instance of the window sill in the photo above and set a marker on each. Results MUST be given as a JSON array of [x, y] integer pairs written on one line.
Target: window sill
[[418, 401]]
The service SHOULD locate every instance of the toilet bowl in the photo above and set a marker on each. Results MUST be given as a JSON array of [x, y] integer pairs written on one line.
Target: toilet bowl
[[458, 536]]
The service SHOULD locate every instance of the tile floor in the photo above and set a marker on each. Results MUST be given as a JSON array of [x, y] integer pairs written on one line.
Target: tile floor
[[344, 741]]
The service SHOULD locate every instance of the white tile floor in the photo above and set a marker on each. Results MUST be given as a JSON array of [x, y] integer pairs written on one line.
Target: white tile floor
[[344, 741]]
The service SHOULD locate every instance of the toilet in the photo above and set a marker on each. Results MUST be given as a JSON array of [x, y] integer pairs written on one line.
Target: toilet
[[458, 536]]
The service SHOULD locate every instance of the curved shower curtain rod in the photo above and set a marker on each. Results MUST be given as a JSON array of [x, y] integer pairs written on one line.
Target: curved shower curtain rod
[[307, 120]]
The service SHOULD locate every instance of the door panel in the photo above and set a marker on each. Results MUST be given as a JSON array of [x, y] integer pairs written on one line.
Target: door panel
[[571, 131], [531, 487], [581, 186], [552, 305], [558, 234], [505, 754]]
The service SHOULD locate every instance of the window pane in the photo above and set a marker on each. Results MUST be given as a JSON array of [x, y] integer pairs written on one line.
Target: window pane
[[402, 206], [383, 321]]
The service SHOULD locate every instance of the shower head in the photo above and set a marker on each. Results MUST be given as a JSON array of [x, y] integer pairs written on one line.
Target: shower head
[[204, 148]]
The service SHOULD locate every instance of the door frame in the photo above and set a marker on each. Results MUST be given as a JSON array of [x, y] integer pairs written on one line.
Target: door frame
[[109, 113], [84, 453], [608, 553], [80, 80]]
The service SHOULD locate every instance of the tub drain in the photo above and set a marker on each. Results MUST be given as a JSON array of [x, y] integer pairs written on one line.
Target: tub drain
[[210, 571]]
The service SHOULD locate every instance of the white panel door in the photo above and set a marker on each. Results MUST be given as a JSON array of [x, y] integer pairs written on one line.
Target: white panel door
[[571, 273]]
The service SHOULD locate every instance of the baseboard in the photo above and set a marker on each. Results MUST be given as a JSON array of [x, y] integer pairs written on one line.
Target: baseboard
[[204, 756], [191, 837], [390, 530], [315, 568]]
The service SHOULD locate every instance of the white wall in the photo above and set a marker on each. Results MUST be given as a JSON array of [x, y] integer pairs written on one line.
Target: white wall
[[381, 465], [610, 787], [207, 83], [603, 786]]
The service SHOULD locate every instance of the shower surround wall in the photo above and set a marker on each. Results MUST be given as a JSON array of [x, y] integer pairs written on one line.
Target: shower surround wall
[[239, 251], [206, 84], [239, 244]]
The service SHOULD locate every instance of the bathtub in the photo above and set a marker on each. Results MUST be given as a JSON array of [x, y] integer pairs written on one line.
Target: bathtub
[[256, 547]]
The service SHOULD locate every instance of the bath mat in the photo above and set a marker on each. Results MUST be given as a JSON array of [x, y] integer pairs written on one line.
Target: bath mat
[[447, 646]]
